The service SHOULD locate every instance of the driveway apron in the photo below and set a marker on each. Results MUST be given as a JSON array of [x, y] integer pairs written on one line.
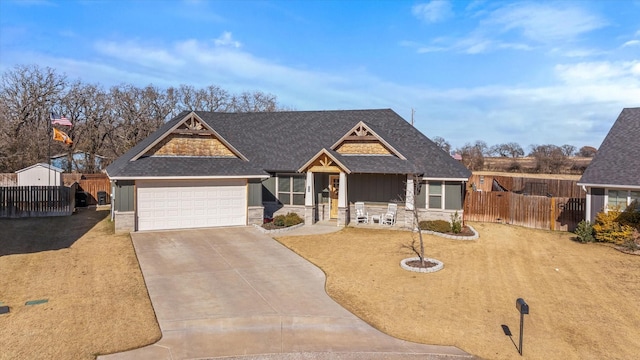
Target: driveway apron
[[235, 292]]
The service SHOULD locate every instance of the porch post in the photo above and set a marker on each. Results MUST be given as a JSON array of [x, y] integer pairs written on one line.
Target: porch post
[[587, 205], [343, 206], [409, 192], [309, 200], [308, 195]]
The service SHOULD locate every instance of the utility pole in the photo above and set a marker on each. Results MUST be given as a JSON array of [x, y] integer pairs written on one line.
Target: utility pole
[[412, 112]]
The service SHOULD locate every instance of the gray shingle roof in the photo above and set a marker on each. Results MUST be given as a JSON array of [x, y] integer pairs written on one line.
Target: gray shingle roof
[[284, 141], [617, 161]]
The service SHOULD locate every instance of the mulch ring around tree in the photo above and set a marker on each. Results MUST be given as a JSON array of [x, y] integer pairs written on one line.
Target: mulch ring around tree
[[414, 264], [418, 264]]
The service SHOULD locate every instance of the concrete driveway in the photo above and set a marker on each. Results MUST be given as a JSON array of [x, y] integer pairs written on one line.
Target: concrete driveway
[[235, 292]]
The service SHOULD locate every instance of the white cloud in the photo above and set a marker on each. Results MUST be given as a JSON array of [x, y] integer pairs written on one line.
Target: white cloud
[[132, 52], [524, 27], [545, 22], [226, 39], [631, 43], [577, 107], [433, 11], [603, 72]]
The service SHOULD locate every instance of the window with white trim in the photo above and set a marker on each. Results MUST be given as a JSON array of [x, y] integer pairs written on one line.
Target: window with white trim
[[620, 199], [444, 195], [435, 195], [291, 189]]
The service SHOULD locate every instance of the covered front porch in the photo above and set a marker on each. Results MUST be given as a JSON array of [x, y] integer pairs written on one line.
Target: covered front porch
[[331, 189]]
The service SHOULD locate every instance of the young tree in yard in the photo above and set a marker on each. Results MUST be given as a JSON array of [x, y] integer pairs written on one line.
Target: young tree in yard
[[418, 249]]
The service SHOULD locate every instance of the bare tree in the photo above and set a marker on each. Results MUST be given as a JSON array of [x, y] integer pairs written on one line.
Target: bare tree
[[138, 112], [27, 94], [587, 151], [442, 144], [568, 150], [418, 248], [89, 109], [106, 123], [549, 158], [473, 155], [256, 101], [511, 149]]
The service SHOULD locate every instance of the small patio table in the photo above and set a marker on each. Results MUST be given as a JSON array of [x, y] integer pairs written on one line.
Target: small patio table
[[375, 218]]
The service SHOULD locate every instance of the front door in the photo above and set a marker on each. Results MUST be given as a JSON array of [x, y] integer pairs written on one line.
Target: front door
[[334, 184]]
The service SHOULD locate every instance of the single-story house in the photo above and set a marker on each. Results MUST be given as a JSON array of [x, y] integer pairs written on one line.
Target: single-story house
[[78, 161], [613, 177], [39, 174], [205, 169]]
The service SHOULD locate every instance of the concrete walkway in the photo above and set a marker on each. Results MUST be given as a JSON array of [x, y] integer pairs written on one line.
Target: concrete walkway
[[237, 293]]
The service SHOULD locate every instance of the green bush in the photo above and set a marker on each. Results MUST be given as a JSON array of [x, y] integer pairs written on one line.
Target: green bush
[[287, 220], [456, 223], [279, 220], [292, 219], [584, 232], [608, 229], [631, 216], [441, 226]]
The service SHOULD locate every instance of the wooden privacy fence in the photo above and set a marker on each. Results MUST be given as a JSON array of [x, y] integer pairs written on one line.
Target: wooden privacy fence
[[35, 201], [94, 183], [538, 212], [529, 186]]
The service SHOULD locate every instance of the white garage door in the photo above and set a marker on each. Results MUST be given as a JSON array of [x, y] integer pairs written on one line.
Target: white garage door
[[191, 204]]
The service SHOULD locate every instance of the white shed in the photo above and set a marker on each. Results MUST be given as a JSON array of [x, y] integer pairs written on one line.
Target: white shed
[[40, 175]]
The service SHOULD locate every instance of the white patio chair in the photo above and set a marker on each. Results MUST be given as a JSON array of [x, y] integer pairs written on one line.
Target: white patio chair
[[361, 213], [389, 218]]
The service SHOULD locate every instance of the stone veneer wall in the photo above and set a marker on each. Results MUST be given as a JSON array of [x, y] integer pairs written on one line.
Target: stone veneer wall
[[255, 215], [298, 209], [125, 221]]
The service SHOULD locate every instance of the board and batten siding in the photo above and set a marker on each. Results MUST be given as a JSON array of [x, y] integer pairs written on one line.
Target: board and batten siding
[[255, 192], [597, 202], [124, 195], [269, 189], [453, 195], [382, 188]]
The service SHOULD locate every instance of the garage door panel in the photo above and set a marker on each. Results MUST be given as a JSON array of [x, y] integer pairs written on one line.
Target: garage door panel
[[178, 205]]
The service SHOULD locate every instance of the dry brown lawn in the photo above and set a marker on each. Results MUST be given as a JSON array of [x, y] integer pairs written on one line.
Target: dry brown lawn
[[583, 298], [97, 299]]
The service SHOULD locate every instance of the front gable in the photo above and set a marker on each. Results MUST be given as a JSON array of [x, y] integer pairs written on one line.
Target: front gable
[[191, 137], [362, 140], [324, 162]]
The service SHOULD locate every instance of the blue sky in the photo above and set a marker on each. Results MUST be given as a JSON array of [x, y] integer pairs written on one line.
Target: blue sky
[[536, 72]]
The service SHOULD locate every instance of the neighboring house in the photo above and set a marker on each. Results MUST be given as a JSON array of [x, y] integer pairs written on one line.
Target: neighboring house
[[39, 175], [204, 169], [78, 161], [613, 177]]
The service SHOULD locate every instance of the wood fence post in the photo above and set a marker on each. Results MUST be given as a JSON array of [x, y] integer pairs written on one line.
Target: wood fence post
[[553, 214]]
